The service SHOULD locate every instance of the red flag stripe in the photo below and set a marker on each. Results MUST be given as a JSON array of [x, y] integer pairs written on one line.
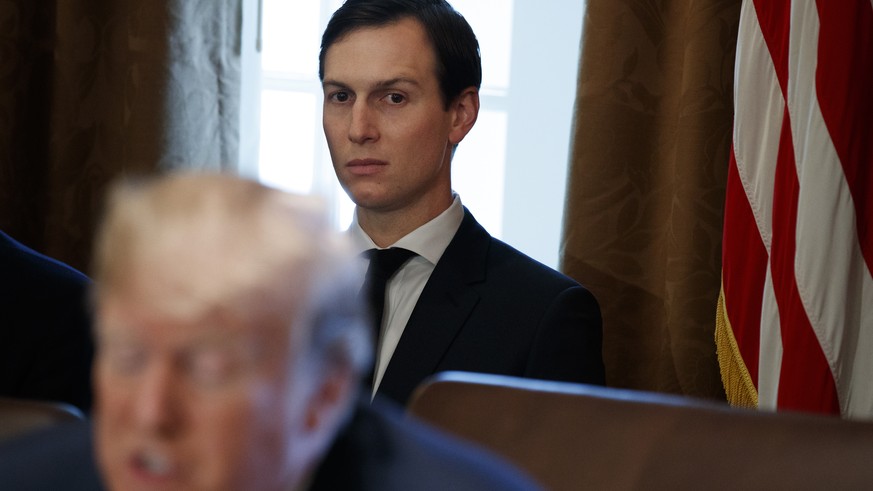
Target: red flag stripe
[[744, 265], [844, 83], [805, 381], [774, 20]]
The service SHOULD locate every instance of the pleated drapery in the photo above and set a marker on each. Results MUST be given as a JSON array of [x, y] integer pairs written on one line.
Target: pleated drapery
[[91, 90], [645, 198]]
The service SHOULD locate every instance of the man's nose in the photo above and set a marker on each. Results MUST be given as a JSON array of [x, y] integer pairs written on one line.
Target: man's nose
[[362, 127], [157, 406]]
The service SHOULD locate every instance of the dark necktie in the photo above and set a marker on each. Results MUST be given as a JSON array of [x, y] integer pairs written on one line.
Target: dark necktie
[[383, 264]]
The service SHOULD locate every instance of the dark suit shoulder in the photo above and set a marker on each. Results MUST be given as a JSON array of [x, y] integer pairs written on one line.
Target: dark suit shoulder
[[476, 253], [505, 256], [537, 321], [45, 327], [25, 268], [39, 290], [495, 268], [380, 449]]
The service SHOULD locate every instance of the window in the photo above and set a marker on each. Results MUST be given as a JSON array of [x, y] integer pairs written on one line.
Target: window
[[510, 170]]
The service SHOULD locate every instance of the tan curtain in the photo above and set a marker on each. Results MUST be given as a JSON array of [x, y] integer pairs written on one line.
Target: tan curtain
[[645, 197], [90, 90]]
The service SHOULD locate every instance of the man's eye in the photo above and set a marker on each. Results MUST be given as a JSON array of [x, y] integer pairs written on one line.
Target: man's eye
[[340, 96], [211, 369], [125, 360], [395, 98]]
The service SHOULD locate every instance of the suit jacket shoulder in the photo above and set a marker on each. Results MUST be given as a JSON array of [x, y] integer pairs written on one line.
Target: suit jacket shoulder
[[45, 328]]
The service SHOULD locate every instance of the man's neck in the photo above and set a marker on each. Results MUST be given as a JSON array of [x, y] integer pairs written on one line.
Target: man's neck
[[386, 228]]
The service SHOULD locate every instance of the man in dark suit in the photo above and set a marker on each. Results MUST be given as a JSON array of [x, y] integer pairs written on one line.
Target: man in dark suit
[[45, 330], [401, 90], [231, 340]]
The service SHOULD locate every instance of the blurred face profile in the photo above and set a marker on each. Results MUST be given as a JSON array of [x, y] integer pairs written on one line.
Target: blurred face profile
[[193, 392], [204, 402]]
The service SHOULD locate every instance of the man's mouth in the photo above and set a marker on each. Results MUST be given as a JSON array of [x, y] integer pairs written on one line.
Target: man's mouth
[[153, 464], [365, 167]]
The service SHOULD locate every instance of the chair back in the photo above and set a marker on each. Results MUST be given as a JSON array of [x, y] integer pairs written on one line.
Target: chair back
[[18, 416], [574, 436]]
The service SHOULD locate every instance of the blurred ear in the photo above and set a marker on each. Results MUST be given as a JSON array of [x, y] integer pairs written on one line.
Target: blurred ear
[[465, 111], [330, 401]]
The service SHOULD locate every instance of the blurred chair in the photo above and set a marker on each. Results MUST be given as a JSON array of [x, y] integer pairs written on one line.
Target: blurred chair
[[18, 416], [573, 436]]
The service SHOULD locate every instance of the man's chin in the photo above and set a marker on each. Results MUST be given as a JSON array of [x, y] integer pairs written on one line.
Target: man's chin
[[370, 200]]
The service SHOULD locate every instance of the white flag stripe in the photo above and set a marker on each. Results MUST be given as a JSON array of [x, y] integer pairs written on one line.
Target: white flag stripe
[[770, 353], [757, 122], [834, 284]]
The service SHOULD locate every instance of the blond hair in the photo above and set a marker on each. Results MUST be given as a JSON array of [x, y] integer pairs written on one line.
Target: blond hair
[[215, 241]]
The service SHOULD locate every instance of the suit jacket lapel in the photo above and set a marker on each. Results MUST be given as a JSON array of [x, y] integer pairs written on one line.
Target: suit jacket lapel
[[445, 304]]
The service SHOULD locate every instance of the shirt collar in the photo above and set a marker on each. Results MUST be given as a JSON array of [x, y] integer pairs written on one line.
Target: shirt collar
[[428, 241]]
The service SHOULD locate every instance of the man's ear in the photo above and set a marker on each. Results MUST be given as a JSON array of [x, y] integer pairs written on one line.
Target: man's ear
[[331, 400], [465, 111]]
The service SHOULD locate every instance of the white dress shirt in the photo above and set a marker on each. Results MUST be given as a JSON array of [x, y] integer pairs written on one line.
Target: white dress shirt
[[428, 241]]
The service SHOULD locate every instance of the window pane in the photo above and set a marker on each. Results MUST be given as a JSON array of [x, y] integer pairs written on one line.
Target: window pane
[[287, 140], [345, 208], [291, 36], [477, 170], [491, 20], [327, 185]]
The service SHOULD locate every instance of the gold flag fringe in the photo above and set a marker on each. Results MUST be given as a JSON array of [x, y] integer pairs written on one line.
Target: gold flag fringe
[[738, 384]]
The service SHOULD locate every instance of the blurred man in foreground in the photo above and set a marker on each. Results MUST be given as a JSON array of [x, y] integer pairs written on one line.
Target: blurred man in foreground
[[230, 342]]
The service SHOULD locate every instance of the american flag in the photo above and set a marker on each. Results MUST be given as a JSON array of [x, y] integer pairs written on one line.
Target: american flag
[[795, 316]]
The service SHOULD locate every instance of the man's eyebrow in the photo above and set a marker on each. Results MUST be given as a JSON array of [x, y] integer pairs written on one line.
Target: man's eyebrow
[[378, 85], [395, 81], [334, 83]]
